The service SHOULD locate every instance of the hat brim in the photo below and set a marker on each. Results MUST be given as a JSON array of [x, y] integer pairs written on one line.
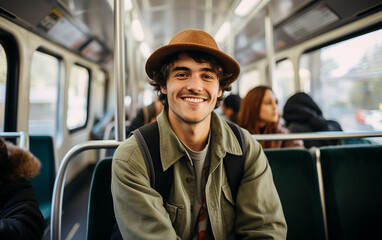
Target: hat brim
[[154, 62]]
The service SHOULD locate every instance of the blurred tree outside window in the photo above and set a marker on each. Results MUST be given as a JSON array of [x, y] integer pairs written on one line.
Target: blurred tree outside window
[[43, 94], [345, 79], [78, 97]]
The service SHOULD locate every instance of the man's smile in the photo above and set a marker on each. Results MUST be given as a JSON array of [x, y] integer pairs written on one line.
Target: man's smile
[[193, 99]]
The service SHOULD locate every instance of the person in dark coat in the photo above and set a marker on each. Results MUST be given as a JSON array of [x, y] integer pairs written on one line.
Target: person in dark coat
[[146, 115], [20, 216], [231, 107], [302, 114]]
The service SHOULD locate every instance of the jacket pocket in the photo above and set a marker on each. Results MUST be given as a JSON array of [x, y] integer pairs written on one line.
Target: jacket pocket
[[174, 211], [228, 209], [228, 194]]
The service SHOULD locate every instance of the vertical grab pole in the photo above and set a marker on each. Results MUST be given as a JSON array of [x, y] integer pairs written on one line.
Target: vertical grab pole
[[269, 43], [119, 70], [317, 153]]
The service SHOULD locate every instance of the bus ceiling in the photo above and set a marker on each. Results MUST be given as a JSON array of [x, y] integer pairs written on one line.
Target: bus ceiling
[[86, 26]]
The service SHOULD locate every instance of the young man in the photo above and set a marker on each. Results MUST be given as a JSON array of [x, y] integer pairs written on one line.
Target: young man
[[231, 107], [191, 74]]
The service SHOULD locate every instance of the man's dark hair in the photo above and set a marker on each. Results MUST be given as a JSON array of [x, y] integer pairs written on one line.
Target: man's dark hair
[[160, 77], [233, 101]]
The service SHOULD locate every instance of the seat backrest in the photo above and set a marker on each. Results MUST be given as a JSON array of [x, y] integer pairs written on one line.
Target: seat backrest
[[295, 176], [352, 177], [100, 208], [42, 147]]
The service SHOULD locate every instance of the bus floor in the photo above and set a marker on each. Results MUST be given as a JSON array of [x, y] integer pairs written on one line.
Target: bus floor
[[75, 208]]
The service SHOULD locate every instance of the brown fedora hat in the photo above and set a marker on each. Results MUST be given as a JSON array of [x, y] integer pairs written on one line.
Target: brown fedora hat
[[192, 39]]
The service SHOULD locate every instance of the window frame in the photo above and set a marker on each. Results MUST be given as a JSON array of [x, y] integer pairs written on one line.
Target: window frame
[[11, 49]]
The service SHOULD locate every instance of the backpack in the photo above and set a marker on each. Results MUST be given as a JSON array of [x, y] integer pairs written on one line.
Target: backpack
[[148, 141], [147, 137]]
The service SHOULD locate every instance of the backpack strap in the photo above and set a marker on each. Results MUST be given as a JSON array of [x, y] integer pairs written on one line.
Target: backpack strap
[[233, 164], [148, 141], [145, 150]]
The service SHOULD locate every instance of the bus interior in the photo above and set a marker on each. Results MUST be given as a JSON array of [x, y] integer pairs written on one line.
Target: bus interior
[[72, 78]]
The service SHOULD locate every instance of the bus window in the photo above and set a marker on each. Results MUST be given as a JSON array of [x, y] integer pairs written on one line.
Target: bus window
[[43, 94], [247, 81], [283, 82], [100, 90], [346, 80], [3, 77], [78, 97]]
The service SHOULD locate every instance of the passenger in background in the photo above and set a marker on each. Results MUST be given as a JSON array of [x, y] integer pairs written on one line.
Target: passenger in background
[[231, 107], [258, 114], [302, 114], [145, 115], [100, 126], [20, 216]]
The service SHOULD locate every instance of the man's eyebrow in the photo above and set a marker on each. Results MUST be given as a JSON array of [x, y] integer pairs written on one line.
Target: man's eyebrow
[[208, 70], [180, 69]]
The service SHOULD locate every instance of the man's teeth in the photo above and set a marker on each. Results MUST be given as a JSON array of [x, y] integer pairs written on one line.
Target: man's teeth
[[194, 99]]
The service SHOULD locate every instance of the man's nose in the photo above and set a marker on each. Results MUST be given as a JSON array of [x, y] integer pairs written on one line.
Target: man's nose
[[195, 84]]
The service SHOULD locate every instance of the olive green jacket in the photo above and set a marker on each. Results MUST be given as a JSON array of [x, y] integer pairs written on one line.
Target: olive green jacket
[[141, 214]]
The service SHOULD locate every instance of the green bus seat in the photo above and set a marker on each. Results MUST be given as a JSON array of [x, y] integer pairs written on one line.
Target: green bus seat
[[100, 208], [352, 177], [295, 176], [42, 147]]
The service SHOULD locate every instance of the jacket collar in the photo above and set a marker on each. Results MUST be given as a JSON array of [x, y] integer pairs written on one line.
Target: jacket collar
[[223, 141]]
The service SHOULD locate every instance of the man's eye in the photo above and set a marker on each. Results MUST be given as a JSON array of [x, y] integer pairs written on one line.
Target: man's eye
[[181, 75], [206, 76]]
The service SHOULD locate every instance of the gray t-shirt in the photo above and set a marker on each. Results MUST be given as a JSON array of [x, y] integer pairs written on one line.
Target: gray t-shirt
[[201, 164]]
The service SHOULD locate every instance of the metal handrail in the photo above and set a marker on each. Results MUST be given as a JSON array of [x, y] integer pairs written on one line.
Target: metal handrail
[[107, 135], [109, 128], [24, 138], [59, 183], [119, 75], [316, 135]]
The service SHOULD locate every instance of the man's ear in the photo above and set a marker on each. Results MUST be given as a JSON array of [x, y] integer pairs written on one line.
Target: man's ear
[[220, 92], [163, 89]]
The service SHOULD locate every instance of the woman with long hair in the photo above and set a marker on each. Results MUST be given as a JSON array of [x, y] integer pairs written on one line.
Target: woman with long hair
[[258, 114]]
